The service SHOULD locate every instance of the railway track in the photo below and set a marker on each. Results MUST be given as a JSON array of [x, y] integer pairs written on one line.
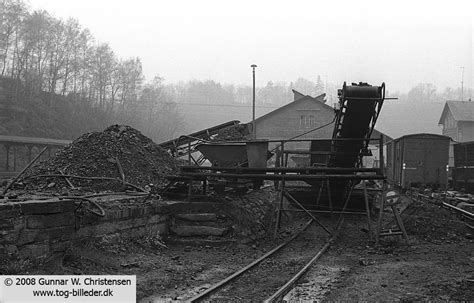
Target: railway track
[[274, 274], [445, 202]]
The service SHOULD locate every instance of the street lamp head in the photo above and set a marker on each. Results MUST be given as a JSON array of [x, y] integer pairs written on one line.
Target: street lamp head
[[253, 66]]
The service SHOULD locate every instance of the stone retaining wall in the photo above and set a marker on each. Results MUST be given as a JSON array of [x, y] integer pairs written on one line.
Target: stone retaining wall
[[39, 228]]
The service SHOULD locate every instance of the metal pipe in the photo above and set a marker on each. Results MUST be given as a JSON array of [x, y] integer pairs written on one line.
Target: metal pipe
[[254, 129], [281, 169], [324, 212], [381, 160], [286, 177], [309, 140]]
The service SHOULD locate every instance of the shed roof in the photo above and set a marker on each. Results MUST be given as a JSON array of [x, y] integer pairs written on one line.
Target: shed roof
[[32, 140], [461, 111]]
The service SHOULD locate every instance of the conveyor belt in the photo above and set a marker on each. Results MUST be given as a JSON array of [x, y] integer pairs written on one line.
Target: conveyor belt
[[359, 108]]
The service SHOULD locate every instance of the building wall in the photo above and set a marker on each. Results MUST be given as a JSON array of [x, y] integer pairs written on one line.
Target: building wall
[[466, 131], [299, 117], [450, 126]]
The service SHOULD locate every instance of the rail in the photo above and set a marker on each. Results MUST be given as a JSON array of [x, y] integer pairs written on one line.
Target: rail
[[439, 201]]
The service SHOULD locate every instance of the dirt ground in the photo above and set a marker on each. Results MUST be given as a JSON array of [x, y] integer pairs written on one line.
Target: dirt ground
[[435, 266]]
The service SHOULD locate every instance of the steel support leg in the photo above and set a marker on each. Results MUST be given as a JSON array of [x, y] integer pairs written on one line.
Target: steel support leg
[[280, 206], [367, 209], [379, 220]]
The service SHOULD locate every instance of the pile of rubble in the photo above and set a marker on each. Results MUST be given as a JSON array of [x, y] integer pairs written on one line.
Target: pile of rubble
[[117, 152]]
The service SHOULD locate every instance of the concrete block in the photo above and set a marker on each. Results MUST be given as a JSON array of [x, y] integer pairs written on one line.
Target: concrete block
[[8, 236], [47, 207], [35, 251], [60, 246], [90, 219], [157, 219], [11, 249], [96, 230], [198, 217], [10, 213], [52, 220], [112, 215], [189, 230], [136, 212], [39, 235], [176, 207], [6, 224], [125, 213], [159, 209]]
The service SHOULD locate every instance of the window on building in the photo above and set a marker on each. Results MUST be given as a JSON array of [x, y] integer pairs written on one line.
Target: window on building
[[307, 121], [311, 121]]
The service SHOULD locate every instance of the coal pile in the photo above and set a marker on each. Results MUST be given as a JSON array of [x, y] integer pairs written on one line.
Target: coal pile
[[432, 222], [238, 132], [101, 154]]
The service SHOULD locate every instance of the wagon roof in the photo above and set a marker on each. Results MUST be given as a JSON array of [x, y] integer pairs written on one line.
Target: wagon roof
[[424, 135]]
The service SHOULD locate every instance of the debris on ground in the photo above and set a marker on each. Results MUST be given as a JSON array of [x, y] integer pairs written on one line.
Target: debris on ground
[[432, 222], [120, 152]]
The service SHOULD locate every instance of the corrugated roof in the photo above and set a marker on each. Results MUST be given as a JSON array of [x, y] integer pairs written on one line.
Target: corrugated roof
[[461, 111]]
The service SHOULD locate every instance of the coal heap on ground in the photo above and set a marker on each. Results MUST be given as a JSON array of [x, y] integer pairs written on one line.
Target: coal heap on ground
[[96, 154], [431, 221]]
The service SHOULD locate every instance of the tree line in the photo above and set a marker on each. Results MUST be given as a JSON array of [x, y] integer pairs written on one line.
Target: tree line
[[50, 66], [57, 81]]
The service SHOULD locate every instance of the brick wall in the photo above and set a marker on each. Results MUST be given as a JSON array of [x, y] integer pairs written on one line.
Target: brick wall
[[36, 229]]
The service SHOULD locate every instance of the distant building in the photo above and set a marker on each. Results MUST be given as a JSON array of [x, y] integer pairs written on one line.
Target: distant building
[[295, 118], [457, 120]]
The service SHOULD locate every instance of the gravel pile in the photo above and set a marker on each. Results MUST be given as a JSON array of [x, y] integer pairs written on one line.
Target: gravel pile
[[98, 154]]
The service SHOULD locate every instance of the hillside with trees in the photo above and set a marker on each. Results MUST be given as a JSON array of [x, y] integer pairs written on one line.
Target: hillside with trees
[[57, 81]]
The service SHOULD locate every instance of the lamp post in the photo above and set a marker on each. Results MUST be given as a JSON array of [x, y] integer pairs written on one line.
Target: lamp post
[[254, 130]]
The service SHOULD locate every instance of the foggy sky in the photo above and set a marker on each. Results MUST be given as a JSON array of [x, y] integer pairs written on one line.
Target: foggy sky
[[401, 43]]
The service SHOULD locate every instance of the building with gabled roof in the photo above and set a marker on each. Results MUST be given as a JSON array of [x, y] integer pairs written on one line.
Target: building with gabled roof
[[298, 117], [457, 120]]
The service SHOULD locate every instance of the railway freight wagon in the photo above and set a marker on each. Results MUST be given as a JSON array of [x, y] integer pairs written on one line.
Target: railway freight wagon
[[463, 170], [418, 159]]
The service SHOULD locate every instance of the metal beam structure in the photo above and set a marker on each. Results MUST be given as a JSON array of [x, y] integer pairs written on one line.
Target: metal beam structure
[[185, 144]]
